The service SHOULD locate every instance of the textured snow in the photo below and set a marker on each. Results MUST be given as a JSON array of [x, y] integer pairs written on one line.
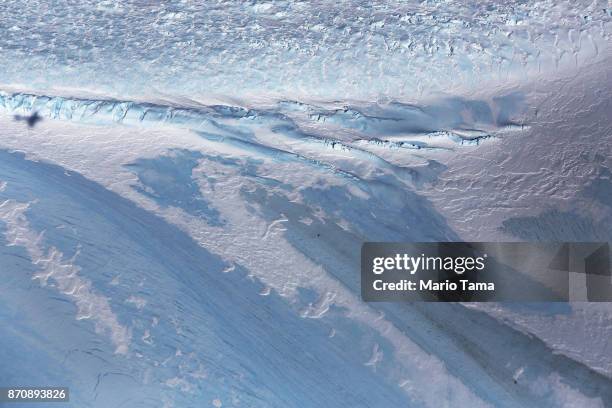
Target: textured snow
[[182, 228], [318, 49], [64, 273]]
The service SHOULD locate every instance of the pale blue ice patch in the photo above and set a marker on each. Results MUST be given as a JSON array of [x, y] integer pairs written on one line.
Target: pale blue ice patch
[[168, 181], [195, 331]]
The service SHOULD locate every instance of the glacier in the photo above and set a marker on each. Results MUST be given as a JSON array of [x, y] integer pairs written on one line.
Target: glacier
[[330, 51], [181, 226]]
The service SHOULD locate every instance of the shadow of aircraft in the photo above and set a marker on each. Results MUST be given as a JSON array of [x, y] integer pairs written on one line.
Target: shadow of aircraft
[[31, 120]]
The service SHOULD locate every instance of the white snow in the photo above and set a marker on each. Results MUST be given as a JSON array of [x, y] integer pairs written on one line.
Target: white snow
[[64, 274]]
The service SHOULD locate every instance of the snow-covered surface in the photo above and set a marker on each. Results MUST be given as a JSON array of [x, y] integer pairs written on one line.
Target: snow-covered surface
[[183, 226], [316, 49]]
